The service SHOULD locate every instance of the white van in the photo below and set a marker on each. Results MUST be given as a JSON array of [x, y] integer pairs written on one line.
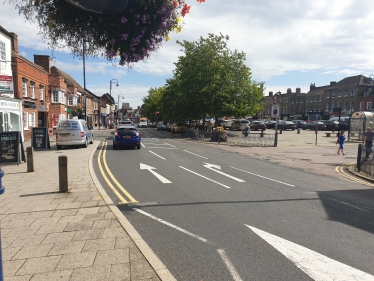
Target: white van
[[73, 132]]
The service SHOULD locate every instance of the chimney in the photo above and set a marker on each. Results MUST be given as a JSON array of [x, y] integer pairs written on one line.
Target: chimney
[[332, 83], [312, 86], [14, 42], [270, 94], [298, 91], [289, 91], [43, 61]]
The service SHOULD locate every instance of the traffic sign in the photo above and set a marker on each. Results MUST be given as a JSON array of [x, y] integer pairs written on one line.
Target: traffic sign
[[275, 111]]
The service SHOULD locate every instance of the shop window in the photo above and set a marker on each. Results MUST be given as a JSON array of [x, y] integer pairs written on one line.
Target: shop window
[[25, 121], [24, 87], [32, 119]]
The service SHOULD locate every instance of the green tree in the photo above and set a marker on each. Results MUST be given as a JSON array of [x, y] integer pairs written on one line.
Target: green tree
[[212, 80], [152, 103]]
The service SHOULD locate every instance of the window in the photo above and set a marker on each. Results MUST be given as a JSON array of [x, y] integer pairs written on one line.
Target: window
[[333, 94], [361, 106], [368, 105], [2, 55], [32, 119], [32, 90], [353, 93], [327, 95], [58, 96], [41, 93], [315, 108], [25, 120], [338, 104], [339, 94], [327, 106], [71, 100], [346, 93], [366, 94], [61, 117], [307, 100], [315, 98], [24, 87]]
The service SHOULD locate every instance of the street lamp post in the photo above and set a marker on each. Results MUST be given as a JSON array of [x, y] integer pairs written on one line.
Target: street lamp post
[[84, 78], [111, 82], [122, 96]]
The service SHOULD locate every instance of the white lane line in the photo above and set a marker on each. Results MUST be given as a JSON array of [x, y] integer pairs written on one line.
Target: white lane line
[[196, 154], [171, 225], [162, 147], [315, 265], [262, 177], [235, 275], [142, 144], [204, 177], [169, 144], [157, 155]]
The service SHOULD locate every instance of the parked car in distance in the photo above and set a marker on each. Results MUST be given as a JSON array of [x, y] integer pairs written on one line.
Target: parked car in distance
[[73, 132], [239, 124], [313, 124], [257, 125], [159, 125], [270, 124], [300, 124], [227, 124], [177, 127], [126, 137], [286, 125]]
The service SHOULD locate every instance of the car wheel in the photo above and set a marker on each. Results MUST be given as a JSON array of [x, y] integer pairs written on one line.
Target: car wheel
[[114, 147], [85, 143], [138, 146], [92, 140], [293, 129], [59, 146]]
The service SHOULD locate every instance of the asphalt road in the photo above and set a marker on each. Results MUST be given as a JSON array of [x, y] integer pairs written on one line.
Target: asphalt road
[[211, 214]]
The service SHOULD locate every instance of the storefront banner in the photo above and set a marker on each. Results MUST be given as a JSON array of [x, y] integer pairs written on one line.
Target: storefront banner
[[6, 85]]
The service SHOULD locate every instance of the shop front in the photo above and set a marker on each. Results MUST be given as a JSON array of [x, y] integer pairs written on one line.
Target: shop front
[[11, 115]]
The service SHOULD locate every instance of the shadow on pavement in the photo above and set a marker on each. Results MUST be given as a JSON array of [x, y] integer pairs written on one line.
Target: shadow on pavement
[[351, 207]]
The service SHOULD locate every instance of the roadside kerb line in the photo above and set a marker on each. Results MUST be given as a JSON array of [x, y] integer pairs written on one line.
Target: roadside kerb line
[[157, 155], [123, 200], [159, 267], [235, 275], [132, 199], [171, 225], [340, 171], [204, 177], [262, 176], [196, 154]]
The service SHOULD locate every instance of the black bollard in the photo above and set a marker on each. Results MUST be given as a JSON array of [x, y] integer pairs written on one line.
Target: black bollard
[[63, 173], [30, 159], [298, 131]]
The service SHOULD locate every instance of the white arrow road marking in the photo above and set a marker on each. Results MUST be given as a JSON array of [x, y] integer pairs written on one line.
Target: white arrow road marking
[[149, 168], [157, 155], [195, 154], [214, 167], [317, 266], [171, 225], [204, 177], [235, 275], [262, 176]]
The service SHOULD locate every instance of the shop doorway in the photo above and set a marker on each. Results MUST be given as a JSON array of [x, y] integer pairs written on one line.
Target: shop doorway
[[5, 125]]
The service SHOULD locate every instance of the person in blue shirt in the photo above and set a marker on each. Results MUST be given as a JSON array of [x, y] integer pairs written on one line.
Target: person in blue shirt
[[340, 141], [246, 131]]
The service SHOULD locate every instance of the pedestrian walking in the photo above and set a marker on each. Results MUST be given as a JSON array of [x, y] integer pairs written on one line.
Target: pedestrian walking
[[340, 141], [368, 140], [246, 131]]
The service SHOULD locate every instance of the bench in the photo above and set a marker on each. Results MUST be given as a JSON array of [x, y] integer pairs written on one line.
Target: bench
[[329, 134]]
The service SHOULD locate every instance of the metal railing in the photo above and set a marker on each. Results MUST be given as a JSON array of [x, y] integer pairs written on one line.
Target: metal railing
[[365, 159], [230, 138]]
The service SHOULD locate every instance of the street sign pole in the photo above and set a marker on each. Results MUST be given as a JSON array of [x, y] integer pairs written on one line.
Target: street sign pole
[[275, 114]]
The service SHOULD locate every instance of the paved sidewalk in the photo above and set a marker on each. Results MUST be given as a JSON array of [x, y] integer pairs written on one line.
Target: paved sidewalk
[[79, 235]]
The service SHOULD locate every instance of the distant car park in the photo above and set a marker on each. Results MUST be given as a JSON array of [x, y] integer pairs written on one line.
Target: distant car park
[[286, 125], [257, 125]]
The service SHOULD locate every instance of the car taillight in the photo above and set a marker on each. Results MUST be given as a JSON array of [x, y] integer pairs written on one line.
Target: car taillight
[[116, 134], [137, 134], [82, 134]]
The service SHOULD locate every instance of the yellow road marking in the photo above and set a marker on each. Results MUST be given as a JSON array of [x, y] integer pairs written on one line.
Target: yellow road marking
[[340, 170], [132, 199], [123, 200]]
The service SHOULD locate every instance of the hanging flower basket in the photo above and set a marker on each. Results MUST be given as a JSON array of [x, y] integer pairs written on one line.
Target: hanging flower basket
[[124, 37]]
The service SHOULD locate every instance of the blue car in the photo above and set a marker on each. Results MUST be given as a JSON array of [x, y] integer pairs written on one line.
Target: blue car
[[126, 136]]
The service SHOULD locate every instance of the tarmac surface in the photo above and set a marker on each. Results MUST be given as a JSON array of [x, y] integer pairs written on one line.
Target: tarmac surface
[[81, 235]]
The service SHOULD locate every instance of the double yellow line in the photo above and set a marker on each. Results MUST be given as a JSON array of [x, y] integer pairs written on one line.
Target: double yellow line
[[341, 171], [119, 186]]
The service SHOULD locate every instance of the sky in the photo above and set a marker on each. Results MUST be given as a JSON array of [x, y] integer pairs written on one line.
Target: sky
[[288, 44]]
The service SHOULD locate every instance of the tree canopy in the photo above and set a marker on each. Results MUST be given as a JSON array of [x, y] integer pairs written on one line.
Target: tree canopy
[[209, 80]]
